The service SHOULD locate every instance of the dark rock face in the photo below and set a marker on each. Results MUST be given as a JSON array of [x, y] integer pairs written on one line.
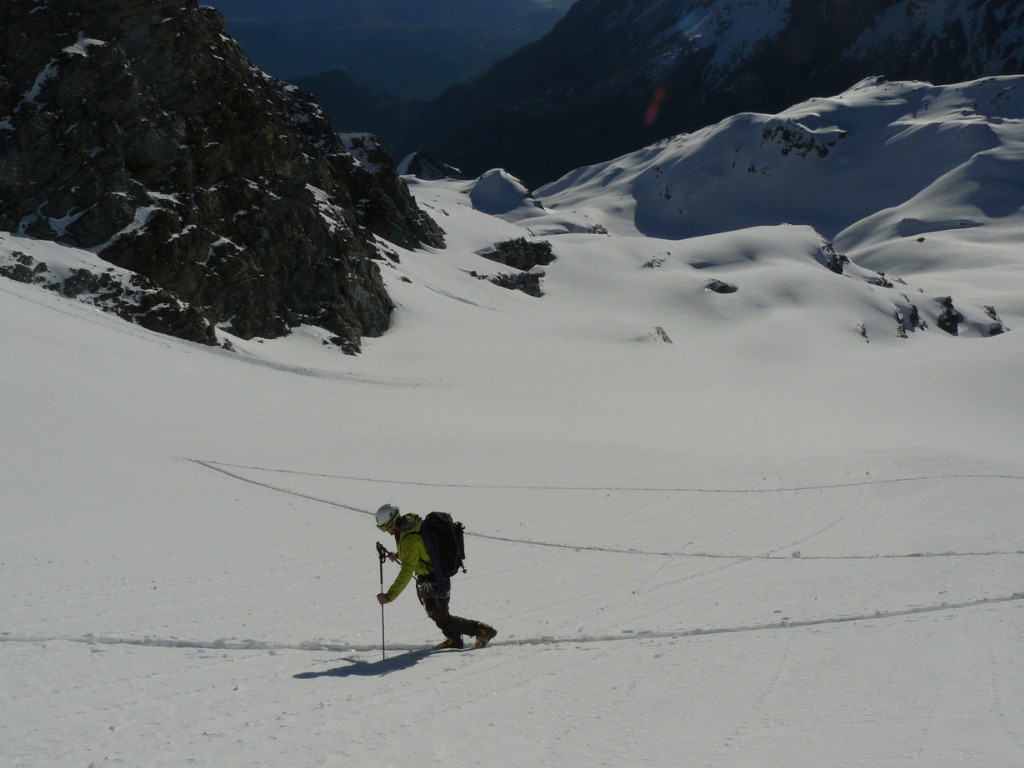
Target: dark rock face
[[525, 256], [421, 165], [527, 282], [616, 75], [138, 129], [950, 318], [132, 297], [720, 286], [521, 253]]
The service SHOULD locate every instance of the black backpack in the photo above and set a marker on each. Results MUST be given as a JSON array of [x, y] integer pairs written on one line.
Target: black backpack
[[444, 536]]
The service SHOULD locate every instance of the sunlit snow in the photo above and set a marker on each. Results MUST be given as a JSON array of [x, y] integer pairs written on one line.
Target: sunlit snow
[[790, 537]]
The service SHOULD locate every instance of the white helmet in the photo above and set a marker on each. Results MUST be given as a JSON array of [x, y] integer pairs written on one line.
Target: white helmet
[[387, 516]]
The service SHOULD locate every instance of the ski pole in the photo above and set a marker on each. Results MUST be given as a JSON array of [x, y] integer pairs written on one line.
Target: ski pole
[[382, 553]]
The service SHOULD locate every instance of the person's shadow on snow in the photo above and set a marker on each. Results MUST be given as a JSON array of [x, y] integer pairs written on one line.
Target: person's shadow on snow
[[360, 668]]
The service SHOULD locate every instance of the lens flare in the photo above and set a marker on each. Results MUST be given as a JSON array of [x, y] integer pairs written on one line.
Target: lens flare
[[657, 99]]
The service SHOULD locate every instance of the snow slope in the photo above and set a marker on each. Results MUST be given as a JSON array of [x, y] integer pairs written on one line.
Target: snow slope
[[909, 180], [767, 543]]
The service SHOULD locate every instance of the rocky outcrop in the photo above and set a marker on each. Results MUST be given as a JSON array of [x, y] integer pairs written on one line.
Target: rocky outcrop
[[950, 318], [714, 285], [138, 129], [527, 282], [521, 253], [525, 256], [423, 166], [129, 296]]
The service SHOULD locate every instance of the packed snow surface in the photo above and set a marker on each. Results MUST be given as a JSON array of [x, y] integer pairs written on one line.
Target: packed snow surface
[[748, 529]]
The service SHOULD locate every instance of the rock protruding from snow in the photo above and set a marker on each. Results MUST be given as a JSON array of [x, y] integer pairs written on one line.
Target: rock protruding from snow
[[424, 166], [521, 253]]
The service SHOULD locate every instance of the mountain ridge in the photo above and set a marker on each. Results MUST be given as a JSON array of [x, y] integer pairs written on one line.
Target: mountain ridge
[[616, 75], [413, 49], [139, 130]]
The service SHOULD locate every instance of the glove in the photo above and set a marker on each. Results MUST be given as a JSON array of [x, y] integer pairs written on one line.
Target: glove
[[383, 599]]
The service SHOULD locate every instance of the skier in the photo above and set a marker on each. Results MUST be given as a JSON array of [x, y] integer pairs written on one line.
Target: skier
[[413, 557]]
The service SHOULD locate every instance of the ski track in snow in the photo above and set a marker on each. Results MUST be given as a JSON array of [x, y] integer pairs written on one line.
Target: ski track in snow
[[624, 636], [235, 644], [225, 469], [219, 465]]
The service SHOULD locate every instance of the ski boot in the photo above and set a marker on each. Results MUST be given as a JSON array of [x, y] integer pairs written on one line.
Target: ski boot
[[485, 635]]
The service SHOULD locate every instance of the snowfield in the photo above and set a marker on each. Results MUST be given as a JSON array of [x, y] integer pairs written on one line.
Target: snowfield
[[749, 529]]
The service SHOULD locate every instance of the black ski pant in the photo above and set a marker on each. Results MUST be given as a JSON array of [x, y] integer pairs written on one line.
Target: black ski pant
[[437, 609]]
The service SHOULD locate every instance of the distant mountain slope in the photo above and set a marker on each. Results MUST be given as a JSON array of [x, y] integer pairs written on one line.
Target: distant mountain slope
[[615, 75], [355, 109], [140, 131], [826, 162], [411, 48], [915, 190]]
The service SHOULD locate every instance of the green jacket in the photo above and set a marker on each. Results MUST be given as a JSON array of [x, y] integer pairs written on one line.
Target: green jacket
[[412, 554]]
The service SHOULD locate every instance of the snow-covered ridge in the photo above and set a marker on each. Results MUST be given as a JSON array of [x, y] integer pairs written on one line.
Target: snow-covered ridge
[[671, 66], [827, 162], [902, 180]]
